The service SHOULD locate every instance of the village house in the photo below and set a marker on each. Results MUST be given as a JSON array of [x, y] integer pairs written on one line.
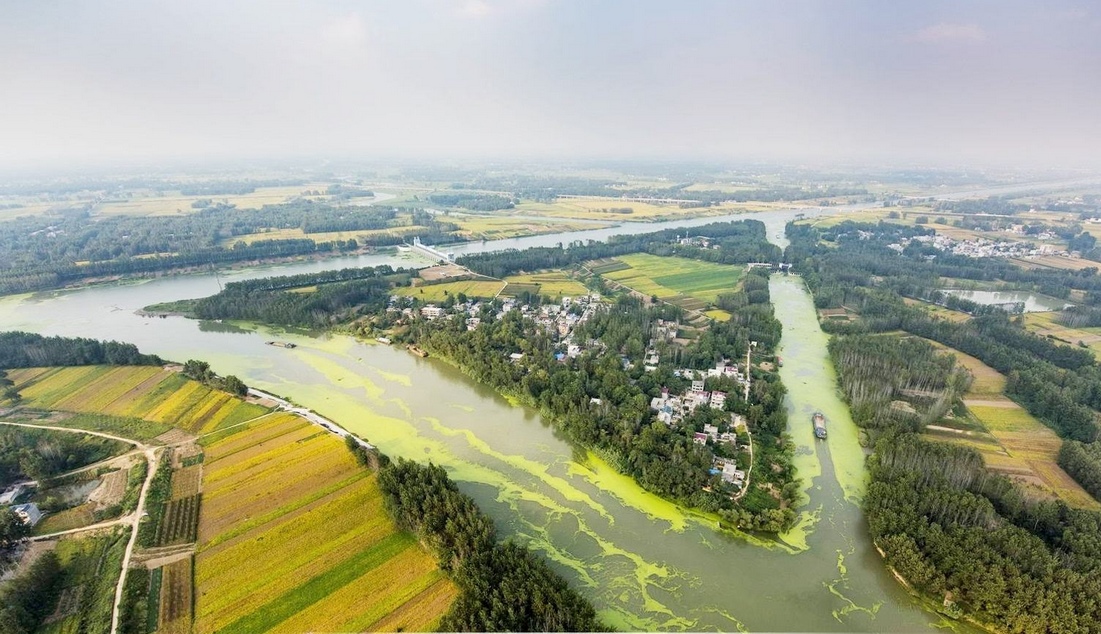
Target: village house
[[27, 513]]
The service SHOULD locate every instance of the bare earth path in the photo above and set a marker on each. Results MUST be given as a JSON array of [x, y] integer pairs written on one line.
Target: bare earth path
[[133, 520]]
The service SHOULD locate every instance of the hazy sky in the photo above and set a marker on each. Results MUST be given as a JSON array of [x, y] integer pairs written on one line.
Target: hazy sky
[[942, 81]]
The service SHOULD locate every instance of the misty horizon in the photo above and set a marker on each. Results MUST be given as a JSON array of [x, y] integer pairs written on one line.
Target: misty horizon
[[941, 84]]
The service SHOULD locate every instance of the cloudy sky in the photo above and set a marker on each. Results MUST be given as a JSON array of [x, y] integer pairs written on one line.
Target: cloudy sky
[[942, 82]]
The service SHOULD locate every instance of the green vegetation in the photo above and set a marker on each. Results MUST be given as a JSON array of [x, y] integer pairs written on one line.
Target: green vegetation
[[503, 586], [1083, 462], [27, 350], [667, 277], [30, 597], [40, 454], [972, 539], [91, 568]]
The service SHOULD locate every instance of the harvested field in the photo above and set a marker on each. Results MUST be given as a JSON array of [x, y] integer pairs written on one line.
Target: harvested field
[[294, 537], [440, 292], [76, 517], [111, 489], [176, 598], [185, 481]]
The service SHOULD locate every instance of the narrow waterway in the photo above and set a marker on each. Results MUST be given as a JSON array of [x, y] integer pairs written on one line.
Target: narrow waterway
[[644, 563]]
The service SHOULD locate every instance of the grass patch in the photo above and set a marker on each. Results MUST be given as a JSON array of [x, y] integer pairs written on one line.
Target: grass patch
[[669, 277]]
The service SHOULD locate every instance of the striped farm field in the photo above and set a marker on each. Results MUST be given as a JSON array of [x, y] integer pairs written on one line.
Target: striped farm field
[[671, 277], [550, 283], [293, 537], [150, 393]]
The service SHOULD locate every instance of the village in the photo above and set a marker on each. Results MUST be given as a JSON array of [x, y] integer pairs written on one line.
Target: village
[[562, 319], [985, 248]]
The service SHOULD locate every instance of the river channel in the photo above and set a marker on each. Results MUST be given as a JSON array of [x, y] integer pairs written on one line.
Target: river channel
[[645, 563]]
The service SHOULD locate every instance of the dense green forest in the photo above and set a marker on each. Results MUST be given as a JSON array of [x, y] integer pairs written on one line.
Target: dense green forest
[[1082, 461], [504, 587], [953, 529], [41, 252], [28, 350], [40, 453], [1058, 383], [29, 598]]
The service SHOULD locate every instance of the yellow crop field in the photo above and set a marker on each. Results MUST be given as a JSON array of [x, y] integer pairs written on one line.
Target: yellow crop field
[[294, 537], [669, 277], [149, 393], [938, 311], [551, 283], [438, 292]]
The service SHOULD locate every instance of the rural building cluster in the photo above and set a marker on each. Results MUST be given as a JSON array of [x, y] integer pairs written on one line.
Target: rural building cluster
[[981, 247]]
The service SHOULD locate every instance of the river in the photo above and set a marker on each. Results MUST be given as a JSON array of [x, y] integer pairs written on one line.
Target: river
[[644, 563]]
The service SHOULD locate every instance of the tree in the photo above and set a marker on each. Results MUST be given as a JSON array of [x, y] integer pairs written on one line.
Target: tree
[[236, 386], [12, 532]]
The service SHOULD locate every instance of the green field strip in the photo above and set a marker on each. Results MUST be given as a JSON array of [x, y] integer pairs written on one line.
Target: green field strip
[[316, 589]]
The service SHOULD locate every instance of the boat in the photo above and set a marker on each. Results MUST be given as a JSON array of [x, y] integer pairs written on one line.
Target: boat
[[282, 344], [385, 340], [819, 422], [779, 362], [417, 351]]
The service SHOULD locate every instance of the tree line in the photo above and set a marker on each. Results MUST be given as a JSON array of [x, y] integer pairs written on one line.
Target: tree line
[[28, 350], [503, 586], [956, 531]]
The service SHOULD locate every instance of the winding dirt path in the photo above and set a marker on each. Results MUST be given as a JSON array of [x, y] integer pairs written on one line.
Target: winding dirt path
[[133, 520]]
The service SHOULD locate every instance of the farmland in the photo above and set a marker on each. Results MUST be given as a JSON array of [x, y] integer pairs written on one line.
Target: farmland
[[152, 394], [322, 554], [91, 570], [691, 284], [616, 210], [550, 283], [1045, 324], [439, 292], [1013, 442]]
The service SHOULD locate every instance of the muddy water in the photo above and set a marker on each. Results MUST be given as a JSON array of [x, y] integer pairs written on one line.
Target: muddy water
[[644, 563]]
